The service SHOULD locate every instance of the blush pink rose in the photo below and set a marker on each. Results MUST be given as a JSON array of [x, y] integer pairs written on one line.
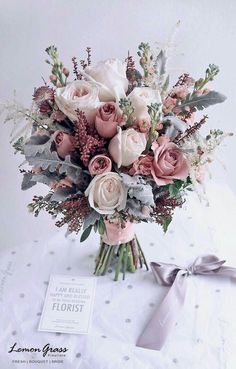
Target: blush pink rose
[[107, 119], [64, 142], [142, 165], [169, 162], [99, 164]]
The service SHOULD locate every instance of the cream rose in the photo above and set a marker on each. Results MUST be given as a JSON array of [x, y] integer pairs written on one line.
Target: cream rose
[[127, 146], [140, 98], [80, 95], [111, 77], [106, 193]]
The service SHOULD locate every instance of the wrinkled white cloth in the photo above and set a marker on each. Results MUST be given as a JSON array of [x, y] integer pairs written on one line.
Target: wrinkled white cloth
[[205, 335]]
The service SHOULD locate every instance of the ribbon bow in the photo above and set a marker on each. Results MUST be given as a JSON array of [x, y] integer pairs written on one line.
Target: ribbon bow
[[159, 327]]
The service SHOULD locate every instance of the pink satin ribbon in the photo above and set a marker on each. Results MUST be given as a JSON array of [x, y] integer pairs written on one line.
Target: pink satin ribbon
[[116, 234], [159, 327]]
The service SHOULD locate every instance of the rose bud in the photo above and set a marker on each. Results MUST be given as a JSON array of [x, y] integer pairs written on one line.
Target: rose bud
[[107, 119], [64, 143]]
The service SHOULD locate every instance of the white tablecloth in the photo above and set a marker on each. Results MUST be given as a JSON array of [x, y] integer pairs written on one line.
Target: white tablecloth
[[205, 335]]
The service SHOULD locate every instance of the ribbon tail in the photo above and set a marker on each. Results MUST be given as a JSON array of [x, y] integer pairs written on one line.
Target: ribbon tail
[[159, 327]]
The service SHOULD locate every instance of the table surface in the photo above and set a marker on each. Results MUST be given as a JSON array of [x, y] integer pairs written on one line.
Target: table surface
[[205, 334]]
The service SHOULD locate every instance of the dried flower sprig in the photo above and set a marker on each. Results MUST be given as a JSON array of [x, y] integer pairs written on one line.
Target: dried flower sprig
[[164, 209], [88, 62], [74, 210], [191, 130], [87, 140], [75, 68]]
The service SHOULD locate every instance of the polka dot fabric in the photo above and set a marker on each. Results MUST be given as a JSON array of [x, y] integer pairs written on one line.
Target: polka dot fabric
[[204, 336]]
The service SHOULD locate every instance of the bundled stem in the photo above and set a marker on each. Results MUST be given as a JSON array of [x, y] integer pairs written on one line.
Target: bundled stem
[[126, 257]]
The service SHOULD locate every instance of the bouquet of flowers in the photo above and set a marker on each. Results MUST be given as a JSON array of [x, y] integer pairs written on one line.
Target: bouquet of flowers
[[116, 146]]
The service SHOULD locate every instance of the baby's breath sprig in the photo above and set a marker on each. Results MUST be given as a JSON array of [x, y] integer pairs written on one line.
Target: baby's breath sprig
[[210, 73], [59, 72]]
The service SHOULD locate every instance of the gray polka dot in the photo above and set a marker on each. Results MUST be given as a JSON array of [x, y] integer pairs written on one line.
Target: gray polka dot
[[39, 314], [196, 306], [73, 279], [22, 295], [103, 336], [176, 324], [107, 302], [171, 231], [78, 355], [90, 256], [151, 244], [126, 358], [73, 240], [13, 252], [109, 270], [127, 320], [28, 265], [14, 333], [218, 290], [198, 340], [51, 252], [68, 268], [130, 286], [151, 304], [46, 282], [190, 218], [175, 360], [36, 241], [172, 258], [191, 245]]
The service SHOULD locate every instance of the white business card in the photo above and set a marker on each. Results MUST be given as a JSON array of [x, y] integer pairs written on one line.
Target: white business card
[[68, 305]]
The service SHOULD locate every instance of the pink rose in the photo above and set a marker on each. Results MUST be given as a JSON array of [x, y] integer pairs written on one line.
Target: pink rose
[[107, 120], [65, 143], [142, 165], [99, 164], [169, 162]]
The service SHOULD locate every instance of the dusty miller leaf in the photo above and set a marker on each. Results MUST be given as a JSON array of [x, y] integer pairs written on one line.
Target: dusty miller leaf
[[37, 144], [201, 102], [91, 219], [62, 193], [138, 189], [27, 181], [134, 208], [161, 67], [174, 126], [50, 160]]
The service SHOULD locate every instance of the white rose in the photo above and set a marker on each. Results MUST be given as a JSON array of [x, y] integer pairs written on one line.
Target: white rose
[[80, 95], [140, 98], [111, 77], [106, 193], [127, 146]]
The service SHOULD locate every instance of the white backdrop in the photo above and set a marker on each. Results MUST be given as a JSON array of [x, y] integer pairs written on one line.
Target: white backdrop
[[207, 34]]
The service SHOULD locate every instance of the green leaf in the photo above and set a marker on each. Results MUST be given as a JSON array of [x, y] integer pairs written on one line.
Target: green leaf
[[101, 226], [166, 223], [175, 187], [86, 233]]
